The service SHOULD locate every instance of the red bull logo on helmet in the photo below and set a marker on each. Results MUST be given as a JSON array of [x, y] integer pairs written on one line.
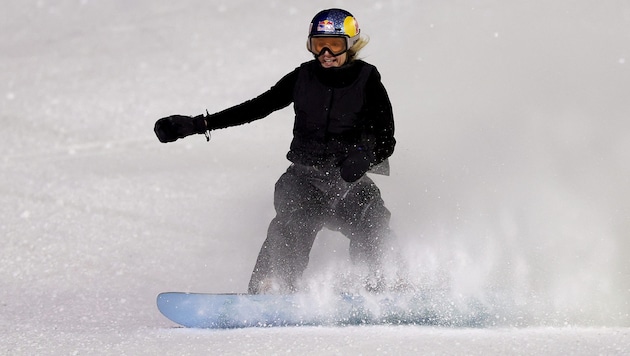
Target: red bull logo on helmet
[[326, 26]]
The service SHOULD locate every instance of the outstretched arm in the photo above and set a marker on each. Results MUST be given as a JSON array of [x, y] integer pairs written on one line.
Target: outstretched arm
[[173, 127]]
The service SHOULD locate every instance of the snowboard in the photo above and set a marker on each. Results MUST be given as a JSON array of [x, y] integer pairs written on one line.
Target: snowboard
[[228, 311], [225, 311]]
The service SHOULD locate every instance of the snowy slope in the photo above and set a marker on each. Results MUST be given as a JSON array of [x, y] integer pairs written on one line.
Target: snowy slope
[[510, 183]]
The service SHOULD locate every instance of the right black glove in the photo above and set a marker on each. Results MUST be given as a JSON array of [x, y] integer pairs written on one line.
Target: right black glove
[[169, 129], [356, 164]]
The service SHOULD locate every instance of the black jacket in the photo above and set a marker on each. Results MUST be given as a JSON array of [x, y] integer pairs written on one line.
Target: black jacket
[[369, 124]]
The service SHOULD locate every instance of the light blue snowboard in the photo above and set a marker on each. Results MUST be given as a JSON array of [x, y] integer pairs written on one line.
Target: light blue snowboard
[[221, 311], [224, 311]]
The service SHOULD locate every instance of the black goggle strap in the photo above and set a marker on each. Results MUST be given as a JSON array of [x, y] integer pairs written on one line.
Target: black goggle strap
[[321, 53]]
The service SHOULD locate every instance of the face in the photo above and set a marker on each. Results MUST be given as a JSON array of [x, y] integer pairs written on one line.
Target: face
[[330, 51]]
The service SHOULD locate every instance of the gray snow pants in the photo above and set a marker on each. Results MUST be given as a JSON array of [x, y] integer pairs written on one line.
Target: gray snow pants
[[306, 199]]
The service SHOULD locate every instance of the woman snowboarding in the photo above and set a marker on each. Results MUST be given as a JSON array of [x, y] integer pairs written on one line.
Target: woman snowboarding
[[343, 128]]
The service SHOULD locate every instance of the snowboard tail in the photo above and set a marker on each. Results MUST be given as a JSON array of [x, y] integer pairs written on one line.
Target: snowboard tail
[[221, 311]]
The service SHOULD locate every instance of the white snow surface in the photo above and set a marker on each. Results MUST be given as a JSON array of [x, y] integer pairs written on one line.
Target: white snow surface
[[510, 184]]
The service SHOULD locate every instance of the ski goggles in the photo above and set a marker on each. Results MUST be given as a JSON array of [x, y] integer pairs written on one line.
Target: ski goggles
[[335, 45]]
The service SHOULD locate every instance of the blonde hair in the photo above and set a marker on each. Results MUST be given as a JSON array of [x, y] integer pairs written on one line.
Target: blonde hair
[[353, 52]]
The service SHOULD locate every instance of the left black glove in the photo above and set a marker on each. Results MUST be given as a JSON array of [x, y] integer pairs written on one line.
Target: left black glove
[[169, 129], [356, 164]]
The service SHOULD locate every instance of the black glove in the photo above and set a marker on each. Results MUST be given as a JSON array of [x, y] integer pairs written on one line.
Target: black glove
[[356, 164], [169, 129]]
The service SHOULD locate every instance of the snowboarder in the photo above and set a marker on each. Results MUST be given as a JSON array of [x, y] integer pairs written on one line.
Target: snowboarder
[[343, 128]]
